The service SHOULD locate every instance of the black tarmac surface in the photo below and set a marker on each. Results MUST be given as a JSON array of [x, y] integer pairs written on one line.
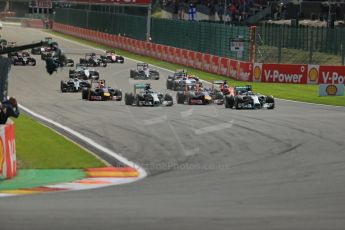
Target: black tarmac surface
[[209, 167]]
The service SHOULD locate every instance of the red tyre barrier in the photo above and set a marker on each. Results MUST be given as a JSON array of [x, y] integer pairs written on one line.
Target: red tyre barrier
[[165, 53], [158, 51], [198, 59], [206, 62], [148, 49], [178, 56], [171, 54], [224, 67], [184, 57], [233, 71], [191, 58], [214, 68]]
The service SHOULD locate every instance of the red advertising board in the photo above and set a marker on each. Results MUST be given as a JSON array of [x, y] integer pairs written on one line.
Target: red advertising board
[[245, 71], [281, 73], [330, 74], [8, 162]]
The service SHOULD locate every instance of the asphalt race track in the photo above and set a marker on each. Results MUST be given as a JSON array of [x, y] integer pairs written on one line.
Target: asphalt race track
[[209, 167]]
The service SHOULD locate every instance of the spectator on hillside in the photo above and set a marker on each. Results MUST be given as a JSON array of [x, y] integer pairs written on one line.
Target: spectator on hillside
[[212, 12], [8, 108], [175, 9], [220, 11], [192, 12], [182, 8]]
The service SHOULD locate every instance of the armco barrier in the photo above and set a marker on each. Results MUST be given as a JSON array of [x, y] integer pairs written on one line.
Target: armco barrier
[[239, 70], [8, 162]]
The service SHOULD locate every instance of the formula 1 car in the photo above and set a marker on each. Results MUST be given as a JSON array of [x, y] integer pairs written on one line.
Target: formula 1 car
[[91, 59], [74, 85], [22, 59], [193, 94], [180, 79], [242, 97], [100, 92], [111, 57], [178, 74], [143, 72], [45, 48], [147, 97], [83, 72]]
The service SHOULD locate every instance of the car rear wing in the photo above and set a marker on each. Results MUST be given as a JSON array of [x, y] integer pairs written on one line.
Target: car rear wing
[[89, 55], [243, 88], [99, 82], [141, 86], [141, 66]]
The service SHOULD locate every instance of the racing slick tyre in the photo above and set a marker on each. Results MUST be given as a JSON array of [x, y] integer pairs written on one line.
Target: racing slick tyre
[[137, 101], [63, 87], [132, 73], [85, 94], [229, 101], [190, 98], [220, 97], [168, 98], [175, 86], [118, 93], [129, 98], [238, 100], [169, 84], [180, 97], [270, 99]]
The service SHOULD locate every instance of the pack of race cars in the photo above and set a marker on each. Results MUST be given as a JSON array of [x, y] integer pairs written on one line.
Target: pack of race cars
[[189, 88]]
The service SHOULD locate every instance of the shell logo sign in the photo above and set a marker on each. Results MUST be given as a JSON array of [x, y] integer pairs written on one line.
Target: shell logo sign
[[257, 72], [331, 89], [313, 74]]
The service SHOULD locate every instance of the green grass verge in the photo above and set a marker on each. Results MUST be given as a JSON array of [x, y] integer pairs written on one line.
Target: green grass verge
[[39, 147], [305, 93]]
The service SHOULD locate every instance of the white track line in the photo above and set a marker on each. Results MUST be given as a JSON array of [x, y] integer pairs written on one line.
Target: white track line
[[142, 172]]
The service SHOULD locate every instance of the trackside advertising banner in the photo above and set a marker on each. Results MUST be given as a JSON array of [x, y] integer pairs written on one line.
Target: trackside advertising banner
[[245, 71], [332, 75], [280, 73], [331, 89], [8, 162]]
